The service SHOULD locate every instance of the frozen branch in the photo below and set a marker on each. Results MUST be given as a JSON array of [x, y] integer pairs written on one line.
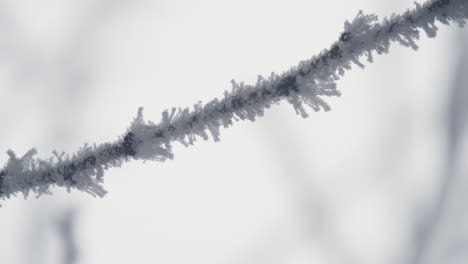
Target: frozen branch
[[304, 85]]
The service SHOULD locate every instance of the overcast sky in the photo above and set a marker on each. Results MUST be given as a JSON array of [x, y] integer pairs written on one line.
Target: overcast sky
[[346, 186]]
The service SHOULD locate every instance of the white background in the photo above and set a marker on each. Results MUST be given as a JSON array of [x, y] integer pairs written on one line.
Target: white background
[[354, 185]]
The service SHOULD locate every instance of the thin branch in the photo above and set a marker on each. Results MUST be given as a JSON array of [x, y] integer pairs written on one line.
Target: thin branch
[[304, 85], [66, 229], [431, 224]]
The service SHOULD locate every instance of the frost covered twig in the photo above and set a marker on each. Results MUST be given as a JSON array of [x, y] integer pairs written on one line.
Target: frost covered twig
[[304, 85]]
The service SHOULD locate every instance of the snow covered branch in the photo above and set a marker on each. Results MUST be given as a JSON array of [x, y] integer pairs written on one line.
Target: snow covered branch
[[304, 85]]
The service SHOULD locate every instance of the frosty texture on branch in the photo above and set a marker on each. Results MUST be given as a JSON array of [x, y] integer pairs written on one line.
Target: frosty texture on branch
[[304, 85]]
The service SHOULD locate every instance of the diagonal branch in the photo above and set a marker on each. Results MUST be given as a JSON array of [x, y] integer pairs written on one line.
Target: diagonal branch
[[304, 85]]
